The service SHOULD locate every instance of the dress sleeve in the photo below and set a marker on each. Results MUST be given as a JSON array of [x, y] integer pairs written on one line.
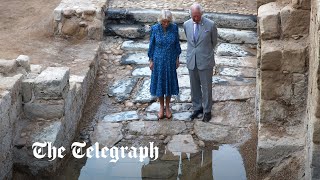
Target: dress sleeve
[[177, 42], [152, 43]]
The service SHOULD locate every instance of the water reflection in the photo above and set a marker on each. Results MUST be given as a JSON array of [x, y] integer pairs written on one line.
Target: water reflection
[[218, 163], [227, 164]]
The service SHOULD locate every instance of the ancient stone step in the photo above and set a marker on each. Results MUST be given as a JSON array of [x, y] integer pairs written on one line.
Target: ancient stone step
[[107, 134], [176, 107], [232, 81], [143, 94], [122, 116], [151, 16], [235, 50], [182, 143], [237, 72], [249, 61], [225, 93], [141, 58], [151, 128], [126, 31], [121, 89], [141, 71], [142, 45], [142, 31], [220, 133]]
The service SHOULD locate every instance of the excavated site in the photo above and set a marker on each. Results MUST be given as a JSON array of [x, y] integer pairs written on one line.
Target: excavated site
[[78, 71]]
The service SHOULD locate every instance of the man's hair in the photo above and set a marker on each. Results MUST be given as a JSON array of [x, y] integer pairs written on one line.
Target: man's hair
[[196, 6]]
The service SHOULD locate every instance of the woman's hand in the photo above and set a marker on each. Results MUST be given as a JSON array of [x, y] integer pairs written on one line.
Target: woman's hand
[[177, 63], [151, 65]]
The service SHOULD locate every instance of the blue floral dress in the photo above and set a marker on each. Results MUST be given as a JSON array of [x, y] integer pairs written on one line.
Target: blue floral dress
[[164, 49]]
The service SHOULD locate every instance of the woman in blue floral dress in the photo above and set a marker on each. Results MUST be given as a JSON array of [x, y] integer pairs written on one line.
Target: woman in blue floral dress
[[163, 53]]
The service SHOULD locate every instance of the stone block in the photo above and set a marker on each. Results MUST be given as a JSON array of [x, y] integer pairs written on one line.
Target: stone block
[[294, 21], [294, 57], [70, 27], [272, 111], [27, 89], [262, 2], [51, 83], [35, 68], [44, 109], [276, 85], [271, 56], [8, 66], [269, 21], [127, 31], [24, 61], [302, 4]]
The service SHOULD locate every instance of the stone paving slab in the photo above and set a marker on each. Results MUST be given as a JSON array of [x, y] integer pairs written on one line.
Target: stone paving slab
[[182, 116], [225, 93], [122, 116], [237, 72], [184, 81], [122, 89], [232, 81], [176, 107], [107, 134], [249, 61], [185, 95], [137, 58], [235, 50], [162, 127], [141, 71], [233, 113], [237, 36], [182, 70], [143, 94], [143, 45], [182, 143], [220, 133]]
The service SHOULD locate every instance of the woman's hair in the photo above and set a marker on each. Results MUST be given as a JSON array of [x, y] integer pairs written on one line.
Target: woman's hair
[[165, 15]]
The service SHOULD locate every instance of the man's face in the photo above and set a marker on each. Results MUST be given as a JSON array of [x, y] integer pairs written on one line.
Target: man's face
[[196, 15]]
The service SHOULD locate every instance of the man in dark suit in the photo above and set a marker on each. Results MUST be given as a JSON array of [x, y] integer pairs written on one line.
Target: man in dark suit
[[202, 37]]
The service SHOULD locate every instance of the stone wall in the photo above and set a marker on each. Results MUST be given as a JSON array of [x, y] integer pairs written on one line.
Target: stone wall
[[11, 75], [52, 108], [313, 123], [80, 19], [283, 55]]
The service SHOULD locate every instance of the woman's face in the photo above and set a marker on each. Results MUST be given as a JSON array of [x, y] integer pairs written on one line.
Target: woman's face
[[165, 23]]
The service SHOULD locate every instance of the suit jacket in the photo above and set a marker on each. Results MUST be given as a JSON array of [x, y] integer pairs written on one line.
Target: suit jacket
[[201, 52]]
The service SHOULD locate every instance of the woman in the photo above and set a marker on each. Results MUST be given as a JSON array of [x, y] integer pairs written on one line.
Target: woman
[[164, 51]]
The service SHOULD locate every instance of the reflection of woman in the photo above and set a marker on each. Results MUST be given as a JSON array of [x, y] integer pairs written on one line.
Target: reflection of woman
[[164, 51]]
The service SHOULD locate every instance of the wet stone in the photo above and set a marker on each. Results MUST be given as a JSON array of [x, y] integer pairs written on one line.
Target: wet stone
[[135, 58], [184, 116], [123, 116], [224, 93], [143, 95], [141, 71], [235, 50], [235, 71], [121, 89], [107, 134], [182, 143]]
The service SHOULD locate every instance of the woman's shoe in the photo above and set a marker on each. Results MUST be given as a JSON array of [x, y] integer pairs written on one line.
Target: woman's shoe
[[160, 117]]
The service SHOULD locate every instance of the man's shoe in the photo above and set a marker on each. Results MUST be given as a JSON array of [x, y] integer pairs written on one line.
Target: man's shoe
[[206, 117], [196, 113]]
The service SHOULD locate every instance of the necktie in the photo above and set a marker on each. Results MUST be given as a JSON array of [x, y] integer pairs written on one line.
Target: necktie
[[196, 32]]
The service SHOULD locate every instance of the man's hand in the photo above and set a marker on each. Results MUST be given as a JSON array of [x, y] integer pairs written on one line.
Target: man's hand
[[151, 65]]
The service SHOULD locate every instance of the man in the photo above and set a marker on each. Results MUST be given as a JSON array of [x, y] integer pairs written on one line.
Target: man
[[201, 35]]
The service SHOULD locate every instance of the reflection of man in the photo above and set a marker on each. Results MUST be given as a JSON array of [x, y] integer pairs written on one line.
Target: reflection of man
[[202, 38]]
